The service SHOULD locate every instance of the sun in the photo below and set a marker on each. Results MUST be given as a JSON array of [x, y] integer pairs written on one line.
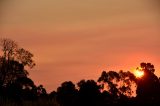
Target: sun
[[138, 73]]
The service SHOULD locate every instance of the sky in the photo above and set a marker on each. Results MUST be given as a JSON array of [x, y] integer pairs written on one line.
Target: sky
[[78, 39]]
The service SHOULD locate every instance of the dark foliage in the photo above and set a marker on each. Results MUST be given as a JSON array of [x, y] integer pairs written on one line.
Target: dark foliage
[[67, 94], [89, 93], [112, 88], [148, 87]]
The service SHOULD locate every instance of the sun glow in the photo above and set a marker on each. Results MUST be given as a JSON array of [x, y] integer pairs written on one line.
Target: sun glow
[[138, 73]]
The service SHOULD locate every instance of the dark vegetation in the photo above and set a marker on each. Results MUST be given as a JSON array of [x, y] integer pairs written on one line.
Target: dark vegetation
[[111, 89]]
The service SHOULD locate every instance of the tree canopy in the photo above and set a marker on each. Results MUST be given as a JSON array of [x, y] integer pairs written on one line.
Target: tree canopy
[[13, 60], [113, 88]]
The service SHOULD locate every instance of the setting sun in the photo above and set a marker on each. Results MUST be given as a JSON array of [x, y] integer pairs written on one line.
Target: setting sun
[[138, 73]]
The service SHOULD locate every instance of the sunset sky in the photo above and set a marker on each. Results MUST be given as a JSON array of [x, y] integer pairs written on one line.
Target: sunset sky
[[78, 39]]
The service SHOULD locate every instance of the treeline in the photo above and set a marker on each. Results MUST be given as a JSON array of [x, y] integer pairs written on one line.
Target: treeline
[[112, 88]]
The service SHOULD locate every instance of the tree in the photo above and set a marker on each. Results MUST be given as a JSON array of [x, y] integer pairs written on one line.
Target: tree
[[89, 93], [21, 89], [41, 91], [8, 48], [66, 94], [11, 51], [12, 71], [25, 57], [13, 61], [148, 86], [118, 83]]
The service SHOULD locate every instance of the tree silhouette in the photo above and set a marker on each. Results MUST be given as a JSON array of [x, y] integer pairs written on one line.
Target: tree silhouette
[[25, 57], [41, 91], [13, 61], [21, 89], [117, 83], [8, 48], [112, 88], [11, 51], [66, 94], [89, 93], [14, 81], [148, 87], [14, 71]]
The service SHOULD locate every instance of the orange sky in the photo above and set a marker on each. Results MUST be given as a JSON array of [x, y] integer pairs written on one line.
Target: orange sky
[[78, 39]]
